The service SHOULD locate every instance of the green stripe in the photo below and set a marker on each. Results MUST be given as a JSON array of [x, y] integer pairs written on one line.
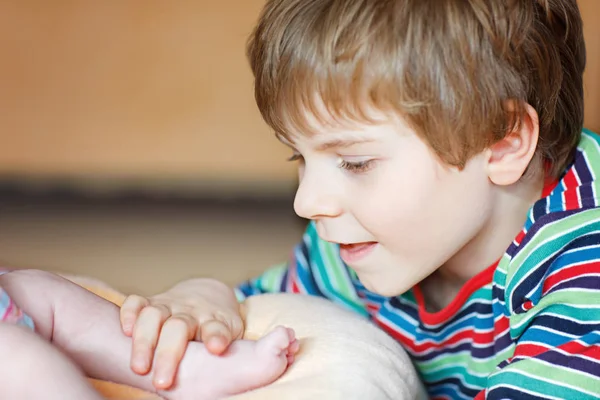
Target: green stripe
[[329, 274], [546, 379], [550, 240], [339, 281], [467, 375], [562, 304], [477, 366], [270, 280]]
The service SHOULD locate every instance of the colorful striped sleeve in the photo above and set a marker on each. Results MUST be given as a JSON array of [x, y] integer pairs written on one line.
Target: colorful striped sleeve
[[553, 298], [315, 268]]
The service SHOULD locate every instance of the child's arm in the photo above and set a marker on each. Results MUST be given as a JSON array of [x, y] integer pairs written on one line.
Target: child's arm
[[558, 356], [315, 268], [86, 328]]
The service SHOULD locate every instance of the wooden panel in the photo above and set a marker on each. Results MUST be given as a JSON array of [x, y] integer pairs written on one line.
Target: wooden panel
[[153, 92], [149, 90], [590, 10]]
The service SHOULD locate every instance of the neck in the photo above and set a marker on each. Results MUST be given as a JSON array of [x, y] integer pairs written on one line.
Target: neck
[[505, 221]]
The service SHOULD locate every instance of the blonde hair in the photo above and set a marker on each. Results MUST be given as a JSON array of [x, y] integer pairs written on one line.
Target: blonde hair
[[447, 66]]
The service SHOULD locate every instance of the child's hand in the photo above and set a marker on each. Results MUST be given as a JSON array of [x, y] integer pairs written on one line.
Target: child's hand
[[162, 325]]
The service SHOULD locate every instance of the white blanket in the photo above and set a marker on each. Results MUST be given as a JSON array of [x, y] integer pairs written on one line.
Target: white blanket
[[342, 356]]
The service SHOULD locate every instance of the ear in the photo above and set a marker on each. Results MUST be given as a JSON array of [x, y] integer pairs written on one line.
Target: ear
[[508, 159]]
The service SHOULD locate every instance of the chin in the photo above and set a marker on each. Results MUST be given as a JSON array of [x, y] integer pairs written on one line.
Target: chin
[[384, 289]]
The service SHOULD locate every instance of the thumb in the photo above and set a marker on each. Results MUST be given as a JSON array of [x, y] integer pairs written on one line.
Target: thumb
[[215, 335]]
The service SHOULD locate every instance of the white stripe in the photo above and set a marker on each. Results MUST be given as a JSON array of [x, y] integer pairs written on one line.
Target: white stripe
[[574, 289], [565, 318], [563, 352], [549, 381], [560, 234], [555, 332]]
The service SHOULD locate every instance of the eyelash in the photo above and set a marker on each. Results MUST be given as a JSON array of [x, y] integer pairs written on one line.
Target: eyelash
[[357, 167], [354, 167], [295, 157]]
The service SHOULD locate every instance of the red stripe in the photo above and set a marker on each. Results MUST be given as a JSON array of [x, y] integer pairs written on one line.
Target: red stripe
[[474, 284], [293, 279], [529, 350], [573, 348], [480, 338], [591, 351], [480, 395], [570, 273], [571, 194], [373, 307], [501, 325], [549, 187], [295, 288], [520, 237]]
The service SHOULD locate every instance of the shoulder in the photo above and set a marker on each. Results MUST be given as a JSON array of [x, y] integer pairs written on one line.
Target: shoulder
[[562, 234], [559, 256]]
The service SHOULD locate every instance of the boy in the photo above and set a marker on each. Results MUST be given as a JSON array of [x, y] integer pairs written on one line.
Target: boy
[[450, 191]]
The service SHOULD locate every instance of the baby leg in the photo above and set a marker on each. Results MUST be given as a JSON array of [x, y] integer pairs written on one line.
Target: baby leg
[[246, 365], [33, 369], [87, 329]]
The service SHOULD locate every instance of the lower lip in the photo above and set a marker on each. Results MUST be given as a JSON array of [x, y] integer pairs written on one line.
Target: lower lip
[[352, 253]]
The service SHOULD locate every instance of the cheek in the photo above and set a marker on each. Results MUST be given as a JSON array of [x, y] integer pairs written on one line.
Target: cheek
[[399, 203]]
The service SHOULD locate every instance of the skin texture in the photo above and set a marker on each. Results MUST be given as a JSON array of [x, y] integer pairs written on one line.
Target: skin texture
[[377, 187], [85, 328]]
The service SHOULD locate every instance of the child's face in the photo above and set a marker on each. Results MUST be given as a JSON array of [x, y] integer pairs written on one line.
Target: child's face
[[380, 188]]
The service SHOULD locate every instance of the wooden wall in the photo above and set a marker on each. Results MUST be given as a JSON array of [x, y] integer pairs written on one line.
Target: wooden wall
[[590, 10], [152, 93]]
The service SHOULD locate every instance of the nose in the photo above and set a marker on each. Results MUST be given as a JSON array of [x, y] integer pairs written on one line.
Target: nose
[[317, 196]]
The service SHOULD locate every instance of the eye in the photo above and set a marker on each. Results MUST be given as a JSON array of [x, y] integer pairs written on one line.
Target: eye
[[357, 167], [295, 157]]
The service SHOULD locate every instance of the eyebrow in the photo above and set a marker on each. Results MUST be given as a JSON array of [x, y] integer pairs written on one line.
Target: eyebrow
[[331, 144], [342, 143]]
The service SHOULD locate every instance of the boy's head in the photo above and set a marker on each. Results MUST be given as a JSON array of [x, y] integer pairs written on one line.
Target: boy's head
[[478, 85]]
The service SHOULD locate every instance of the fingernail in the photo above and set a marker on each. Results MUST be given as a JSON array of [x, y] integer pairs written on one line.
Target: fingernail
[[217, 343], [162, 380], [295, 346]]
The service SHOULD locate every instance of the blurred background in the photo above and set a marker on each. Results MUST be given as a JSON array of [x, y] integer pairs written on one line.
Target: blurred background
[[131, 149]]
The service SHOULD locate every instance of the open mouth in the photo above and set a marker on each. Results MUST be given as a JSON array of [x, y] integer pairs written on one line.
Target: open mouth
[[353, 252]]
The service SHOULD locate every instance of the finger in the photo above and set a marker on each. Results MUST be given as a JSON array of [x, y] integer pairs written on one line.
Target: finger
[[174, 337], [145, 336], [233, 322], [237, 327], [215, 335], [131, 308]]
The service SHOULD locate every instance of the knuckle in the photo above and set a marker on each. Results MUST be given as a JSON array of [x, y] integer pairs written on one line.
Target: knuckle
[[226, 318], [137, 298], [156, 311], [134, 301], [179, 323], [183, 309]]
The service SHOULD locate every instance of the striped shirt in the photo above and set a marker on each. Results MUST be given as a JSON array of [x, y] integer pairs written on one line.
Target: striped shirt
[[527, 327]]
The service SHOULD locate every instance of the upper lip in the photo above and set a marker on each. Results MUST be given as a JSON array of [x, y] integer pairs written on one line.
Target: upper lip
[[349, 243]]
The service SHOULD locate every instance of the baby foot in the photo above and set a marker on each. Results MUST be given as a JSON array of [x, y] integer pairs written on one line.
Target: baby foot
[[246, 365]]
